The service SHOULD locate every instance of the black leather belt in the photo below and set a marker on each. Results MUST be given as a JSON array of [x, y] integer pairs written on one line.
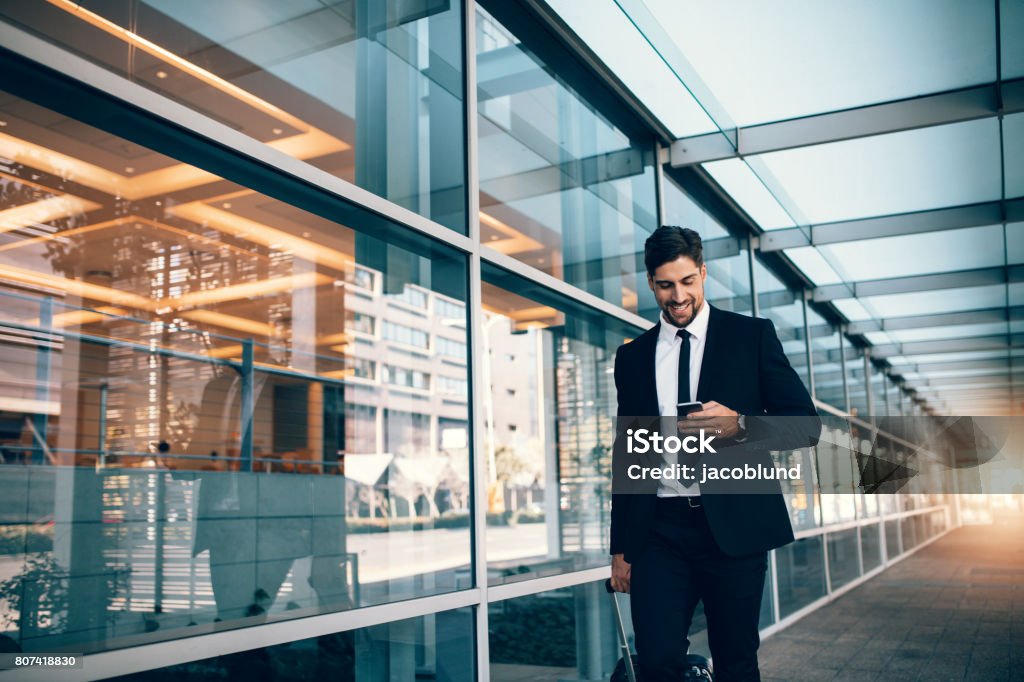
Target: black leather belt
[[682, 502]]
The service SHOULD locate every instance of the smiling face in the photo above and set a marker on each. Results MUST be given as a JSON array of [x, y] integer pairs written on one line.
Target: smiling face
[[678, 287]]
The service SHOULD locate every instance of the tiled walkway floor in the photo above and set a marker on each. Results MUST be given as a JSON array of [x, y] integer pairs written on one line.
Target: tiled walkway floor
[[954, 610]]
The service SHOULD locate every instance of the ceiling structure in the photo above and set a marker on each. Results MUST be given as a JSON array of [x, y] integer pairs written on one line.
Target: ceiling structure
[[876, 148]]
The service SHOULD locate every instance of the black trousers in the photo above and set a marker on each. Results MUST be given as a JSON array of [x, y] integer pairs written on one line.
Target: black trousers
[[681, 565]]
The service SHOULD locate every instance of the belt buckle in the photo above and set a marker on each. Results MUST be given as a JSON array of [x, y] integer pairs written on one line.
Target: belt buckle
[[690, 501]]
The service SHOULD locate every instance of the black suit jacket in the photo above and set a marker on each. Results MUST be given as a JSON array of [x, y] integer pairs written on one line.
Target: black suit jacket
[[745, 369]]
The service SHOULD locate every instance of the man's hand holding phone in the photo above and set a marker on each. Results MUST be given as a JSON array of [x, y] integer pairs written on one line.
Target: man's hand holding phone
[[713, 417]]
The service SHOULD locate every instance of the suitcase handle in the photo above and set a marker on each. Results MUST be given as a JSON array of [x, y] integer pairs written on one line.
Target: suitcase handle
[[627, 656]]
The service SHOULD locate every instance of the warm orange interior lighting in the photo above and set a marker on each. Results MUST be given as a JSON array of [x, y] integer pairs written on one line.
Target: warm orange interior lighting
[[271, 237], [233, 292], [515, 241], [226, 352], [44, 211], [76, 318], [96, 292], [311, 142], [230, 322]]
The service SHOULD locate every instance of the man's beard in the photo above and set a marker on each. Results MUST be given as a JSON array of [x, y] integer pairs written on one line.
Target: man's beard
[[671, 316]]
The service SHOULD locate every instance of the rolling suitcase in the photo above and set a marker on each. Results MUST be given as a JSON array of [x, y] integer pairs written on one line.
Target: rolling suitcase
[[628, 669]]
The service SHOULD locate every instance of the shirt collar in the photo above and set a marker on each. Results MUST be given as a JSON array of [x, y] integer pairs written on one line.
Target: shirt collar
[[698, 327]]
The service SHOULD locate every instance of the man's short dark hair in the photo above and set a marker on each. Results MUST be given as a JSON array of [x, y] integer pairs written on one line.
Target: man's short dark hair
[[668, 243]]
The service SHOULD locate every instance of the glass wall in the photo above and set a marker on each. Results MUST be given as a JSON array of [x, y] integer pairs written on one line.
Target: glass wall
[[238, 411], [548, 428], [564, 186], [369, 91], [438, 647], [225, 408], [785, 309], [564, 634]]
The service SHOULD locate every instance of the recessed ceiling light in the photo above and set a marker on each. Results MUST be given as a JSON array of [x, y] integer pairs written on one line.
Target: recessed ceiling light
[[129, 169], [3, 124], [277, 131], [161, 74], [226, 204]]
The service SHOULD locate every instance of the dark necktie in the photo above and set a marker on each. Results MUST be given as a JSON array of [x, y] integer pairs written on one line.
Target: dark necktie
[[684, 367]]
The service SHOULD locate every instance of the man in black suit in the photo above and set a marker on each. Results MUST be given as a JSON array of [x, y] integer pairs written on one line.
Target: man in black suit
[[679, 544]]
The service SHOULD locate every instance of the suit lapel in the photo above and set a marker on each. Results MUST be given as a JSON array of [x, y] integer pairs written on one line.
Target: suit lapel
[[708, 367]]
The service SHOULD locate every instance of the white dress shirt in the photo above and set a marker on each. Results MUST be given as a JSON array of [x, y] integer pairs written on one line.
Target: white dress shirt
[[666, 371]]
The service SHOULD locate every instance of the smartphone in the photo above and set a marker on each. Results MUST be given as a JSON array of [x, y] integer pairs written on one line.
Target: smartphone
[[683, 409]]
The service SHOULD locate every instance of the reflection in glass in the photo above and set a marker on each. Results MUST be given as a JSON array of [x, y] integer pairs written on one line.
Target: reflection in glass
[[562, 188], [233, 409], [562, 634], [439, 646], [871, 546], [843, 559], [547, 429], [370, 91], [801, 570]]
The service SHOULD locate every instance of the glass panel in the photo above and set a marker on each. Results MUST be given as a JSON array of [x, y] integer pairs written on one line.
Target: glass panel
[[368, 91], [909, 530], [785, 309], [871, 548], [892, 539], [801, 569], [878, 391], [917, 254], [828, 368], [940, 301], [564, 634], [843, 562], [945, 332], [562, 187], [603, 27], [683, 211], [880, 52], [1015, 243], [1011, 41], [855, 380], [216, 431], [1013, 139], [548, 429], [728, 282], [811, 262], [885, 174], [747, 189], [835, 471], [439, 647]]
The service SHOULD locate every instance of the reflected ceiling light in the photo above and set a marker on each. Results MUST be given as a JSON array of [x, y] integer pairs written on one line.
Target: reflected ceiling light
[[241, 324], [75, 318], [514, 242], [324, 143], [43, 211], [255, 289], [96, 292], [341, 338], [226, 352], [271, 237], [76, 287]]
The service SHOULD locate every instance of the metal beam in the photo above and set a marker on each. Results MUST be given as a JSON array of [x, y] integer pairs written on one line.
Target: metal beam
[[896, 224], [903, 285], [967, 104], [982, 316]]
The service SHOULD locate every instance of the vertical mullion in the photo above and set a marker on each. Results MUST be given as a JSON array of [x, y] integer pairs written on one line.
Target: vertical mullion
[[477, 359], [807, 344]]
